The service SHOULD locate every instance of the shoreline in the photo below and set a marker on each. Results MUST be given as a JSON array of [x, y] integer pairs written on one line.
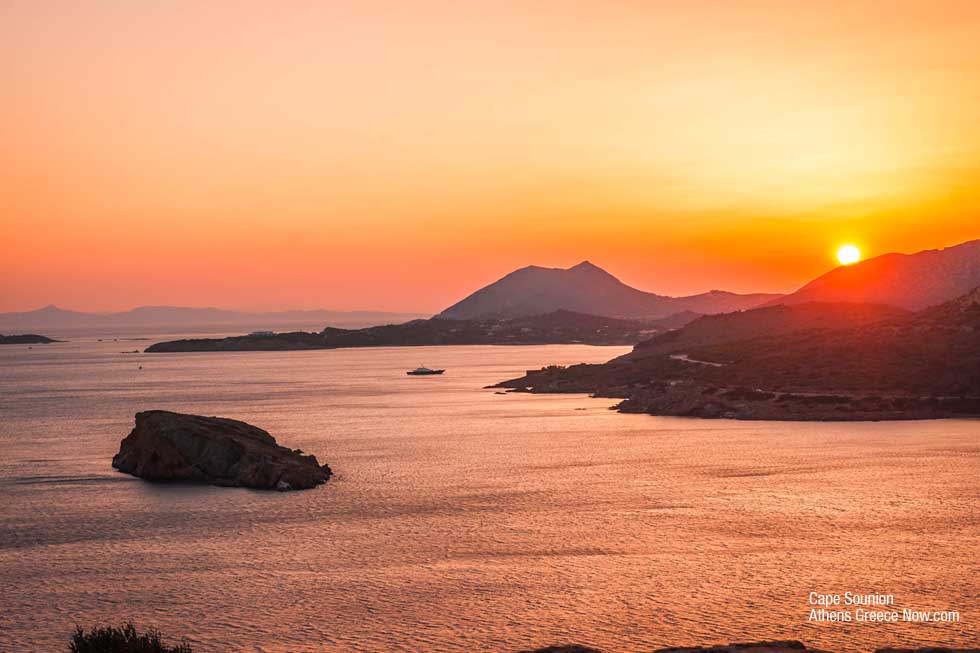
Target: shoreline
[[687, 399]]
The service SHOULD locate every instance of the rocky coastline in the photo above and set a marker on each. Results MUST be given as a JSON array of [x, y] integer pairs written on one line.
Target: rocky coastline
[[820, 362], [685, 398]]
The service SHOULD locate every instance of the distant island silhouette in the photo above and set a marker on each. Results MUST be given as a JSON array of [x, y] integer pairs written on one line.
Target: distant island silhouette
[[25, 339], [559, 327]]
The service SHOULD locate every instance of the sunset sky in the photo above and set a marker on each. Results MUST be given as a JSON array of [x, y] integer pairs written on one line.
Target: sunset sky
[[397, 155]]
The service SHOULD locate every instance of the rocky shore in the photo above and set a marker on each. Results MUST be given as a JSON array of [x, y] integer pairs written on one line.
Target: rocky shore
[[166, 446], [681, 397]]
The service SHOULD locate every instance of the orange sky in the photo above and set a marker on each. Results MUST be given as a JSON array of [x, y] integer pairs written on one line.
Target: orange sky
[[397, 155]]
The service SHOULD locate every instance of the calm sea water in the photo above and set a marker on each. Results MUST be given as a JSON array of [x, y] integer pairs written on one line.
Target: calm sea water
[[464, 520]]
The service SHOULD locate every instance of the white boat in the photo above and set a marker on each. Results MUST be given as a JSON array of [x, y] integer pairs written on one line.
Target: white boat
[[424, 371]]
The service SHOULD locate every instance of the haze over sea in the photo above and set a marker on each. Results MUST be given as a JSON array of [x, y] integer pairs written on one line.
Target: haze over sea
[[459, 519]]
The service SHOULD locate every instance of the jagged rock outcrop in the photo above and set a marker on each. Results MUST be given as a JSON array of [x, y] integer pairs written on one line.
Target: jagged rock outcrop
[[166, 446]]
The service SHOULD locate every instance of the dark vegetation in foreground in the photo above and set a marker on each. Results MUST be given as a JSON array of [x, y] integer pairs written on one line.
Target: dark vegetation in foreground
[[125, 639], [558, 327], [812, 361]]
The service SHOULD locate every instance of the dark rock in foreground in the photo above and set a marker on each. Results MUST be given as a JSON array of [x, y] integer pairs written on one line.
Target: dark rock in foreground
[[928, 649], [788, 646], [568, 648], [26, 339], [785, 646], [166, 446]]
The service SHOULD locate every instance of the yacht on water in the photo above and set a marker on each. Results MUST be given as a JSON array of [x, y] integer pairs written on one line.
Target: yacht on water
[[424, 371]]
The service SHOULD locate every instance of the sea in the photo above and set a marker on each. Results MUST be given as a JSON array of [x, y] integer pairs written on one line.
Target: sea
[[463, 519]]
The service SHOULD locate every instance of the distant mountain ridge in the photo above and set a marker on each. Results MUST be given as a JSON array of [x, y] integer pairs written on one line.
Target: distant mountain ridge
[[910, 281], [52, 317], [585, 288]]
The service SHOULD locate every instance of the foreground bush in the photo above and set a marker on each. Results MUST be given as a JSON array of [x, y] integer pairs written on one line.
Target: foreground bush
[[109, 639]]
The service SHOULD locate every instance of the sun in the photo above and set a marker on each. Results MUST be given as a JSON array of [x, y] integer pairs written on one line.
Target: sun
[[848, 254]]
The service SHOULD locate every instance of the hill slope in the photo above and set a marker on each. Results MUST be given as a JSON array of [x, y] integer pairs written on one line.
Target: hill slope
[[912, 281], [766, 322], [585, 288]]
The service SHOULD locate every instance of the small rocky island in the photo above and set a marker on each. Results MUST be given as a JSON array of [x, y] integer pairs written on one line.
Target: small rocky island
[[26, 339], [166, 446]]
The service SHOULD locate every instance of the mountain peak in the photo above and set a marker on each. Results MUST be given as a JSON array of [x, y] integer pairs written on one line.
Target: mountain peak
[[584, 288], [586, 266]]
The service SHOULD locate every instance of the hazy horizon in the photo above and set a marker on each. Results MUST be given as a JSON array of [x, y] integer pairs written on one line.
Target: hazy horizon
[[228, 309], [432, 310], [278, 308], [373, 154]]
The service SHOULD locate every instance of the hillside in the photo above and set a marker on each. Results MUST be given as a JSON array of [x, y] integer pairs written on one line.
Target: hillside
[[766, 322], [853, 365], [585, 288], [912, 281]]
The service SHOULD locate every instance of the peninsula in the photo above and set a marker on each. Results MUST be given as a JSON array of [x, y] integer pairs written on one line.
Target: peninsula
[[558, 327], [810, 361]]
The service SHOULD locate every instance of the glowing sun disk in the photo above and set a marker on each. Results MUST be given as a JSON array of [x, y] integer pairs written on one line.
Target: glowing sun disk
[[848, 254]]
